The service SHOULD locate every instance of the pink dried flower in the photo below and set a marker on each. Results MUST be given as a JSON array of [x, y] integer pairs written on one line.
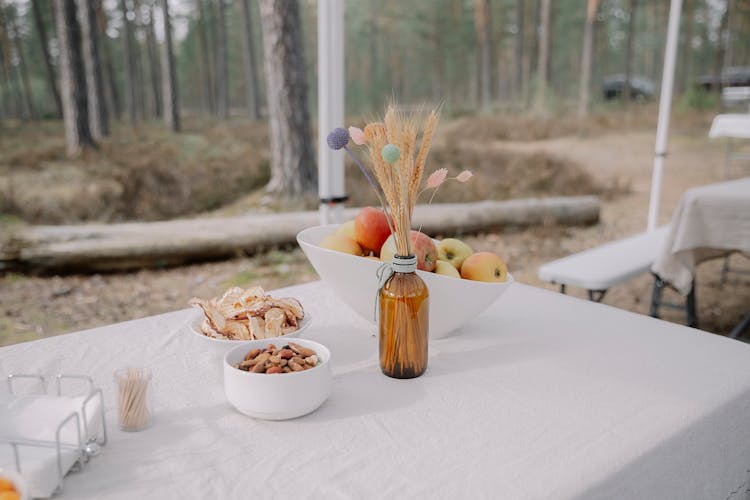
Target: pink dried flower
[[436, 178], [358, 137], [464, 176]]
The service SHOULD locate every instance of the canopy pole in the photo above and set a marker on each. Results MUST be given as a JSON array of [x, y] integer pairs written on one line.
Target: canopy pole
[[330, 108], [665, 108]]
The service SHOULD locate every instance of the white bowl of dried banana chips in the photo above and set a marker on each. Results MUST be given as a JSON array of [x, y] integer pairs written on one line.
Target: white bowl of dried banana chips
[[243, 315]]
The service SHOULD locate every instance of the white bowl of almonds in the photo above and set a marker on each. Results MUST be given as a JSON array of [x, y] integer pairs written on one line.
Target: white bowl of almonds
[[275, 379], [243, 315]]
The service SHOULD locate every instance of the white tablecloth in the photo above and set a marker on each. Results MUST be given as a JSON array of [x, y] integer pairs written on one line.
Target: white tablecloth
[[730, 125], [709, 222], [543, 396]]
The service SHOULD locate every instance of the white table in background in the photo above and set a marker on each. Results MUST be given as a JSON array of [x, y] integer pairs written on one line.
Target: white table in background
[[731, 126], [543, 396], [710, 221]]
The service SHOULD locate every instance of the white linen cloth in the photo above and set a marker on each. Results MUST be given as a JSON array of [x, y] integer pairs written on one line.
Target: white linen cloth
[[709, 222], [735, 125], [542, 396]]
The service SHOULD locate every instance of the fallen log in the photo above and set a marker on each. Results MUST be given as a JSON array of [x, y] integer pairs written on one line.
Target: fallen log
[[113, 247]]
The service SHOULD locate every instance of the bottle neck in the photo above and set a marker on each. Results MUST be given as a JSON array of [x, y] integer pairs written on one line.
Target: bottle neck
[[404, 264]]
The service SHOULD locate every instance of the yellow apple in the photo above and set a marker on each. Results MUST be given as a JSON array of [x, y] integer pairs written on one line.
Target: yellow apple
[[446, 269], [341, 243], [347, 229], [484, 266], [454, 251]]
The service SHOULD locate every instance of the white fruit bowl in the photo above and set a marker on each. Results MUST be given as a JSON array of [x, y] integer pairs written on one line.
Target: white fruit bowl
[[278, 396], [453, 301]]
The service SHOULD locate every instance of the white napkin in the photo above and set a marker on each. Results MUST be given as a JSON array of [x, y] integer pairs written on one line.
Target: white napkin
[[36, 418]]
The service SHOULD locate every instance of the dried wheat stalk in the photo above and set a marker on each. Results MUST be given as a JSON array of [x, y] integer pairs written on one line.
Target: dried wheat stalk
[[400, 181]]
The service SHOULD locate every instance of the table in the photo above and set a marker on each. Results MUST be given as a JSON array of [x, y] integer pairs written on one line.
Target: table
[[710, 221], [542, 396], [731, 126]]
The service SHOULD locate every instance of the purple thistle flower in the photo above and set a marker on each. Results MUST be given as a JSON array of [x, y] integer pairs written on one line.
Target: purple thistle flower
[[338, 138]]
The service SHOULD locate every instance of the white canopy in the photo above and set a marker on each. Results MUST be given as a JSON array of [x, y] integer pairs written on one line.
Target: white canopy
[[665, 108], [330, 106]]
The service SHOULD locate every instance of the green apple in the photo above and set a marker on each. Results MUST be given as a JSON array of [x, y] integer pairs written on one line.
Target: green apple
[[454, 251], [446, 269]]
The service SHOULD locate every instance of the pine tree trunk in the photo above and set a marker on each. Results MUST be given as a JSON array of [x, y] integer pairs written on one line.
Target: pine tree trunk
[[482, 25], [518, 50], [21, 68], [293, 169], [686, 50], [41, 30], [154, 64], [114, 106], [584, 91], [721, 44], [98, 116], [72, 79], [141, 96], [438, 41], [9, 72], [222, 68], [728, 45], [213, 37], [627, 91], [207, 87], [251, 79], [169, 79], [5, 111], [127, 53], [542, 64]]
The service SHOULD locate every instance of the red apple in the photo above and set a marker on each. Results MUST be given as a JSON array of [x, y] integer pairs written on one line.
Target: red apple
[[421, 245], [371, 228]]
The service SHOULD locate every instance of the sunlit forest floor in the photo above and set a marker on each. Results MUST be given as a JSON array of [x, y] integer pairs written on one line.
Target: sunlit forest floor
[[223, 166]]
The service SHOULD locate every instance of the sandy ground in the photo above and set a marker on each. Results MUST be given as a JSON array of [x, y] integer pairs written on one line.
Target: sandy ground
[[35, 307]]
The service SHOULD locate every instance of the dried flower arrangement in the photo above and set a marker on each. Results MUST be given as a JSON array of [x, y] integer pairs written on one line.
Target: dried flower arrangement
[[397, 165]]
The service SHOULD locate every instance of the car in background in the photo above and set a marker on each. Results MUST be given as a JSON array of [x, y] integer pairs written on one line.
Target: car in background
[[735, 76], [613, 87]]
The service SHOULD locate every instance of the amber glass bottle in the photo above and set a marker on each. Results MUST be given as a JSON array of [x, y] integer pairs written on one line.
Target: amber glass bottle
[[404, 321]]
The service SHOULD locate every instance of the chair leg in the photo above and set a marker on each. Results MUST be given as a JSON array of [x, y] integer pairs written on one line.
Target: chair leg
[[562, 289], [692, 318], [742, 326], [724, 270], [656, 292]]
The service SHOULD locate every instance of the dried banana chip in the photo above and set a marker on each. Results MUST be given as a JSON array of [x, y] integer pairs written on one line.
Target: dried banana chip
[[257, 327], [275, 319], [212, 312], [246, 314]]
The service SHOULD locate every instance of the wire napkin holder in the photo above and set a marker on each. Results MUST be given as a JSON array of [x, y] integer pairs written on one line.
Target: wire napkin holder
[[88, 442]]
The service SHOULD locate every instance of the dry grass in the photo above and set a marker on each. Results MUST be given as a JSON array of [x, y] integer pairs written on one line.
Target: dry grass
[[140, 173], [145, 173]]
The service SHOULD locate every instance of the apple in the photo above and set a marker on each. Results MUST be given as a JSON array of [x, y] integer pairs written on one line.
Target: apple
[[371, 228], [446, 269], [454, 251], [484, 266], [341, 243], [421, 245], [347, 229]]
